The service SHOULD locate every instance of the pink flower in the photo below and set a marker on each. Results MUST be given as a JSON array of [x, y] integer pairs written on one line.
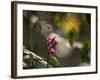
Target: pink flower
[[51, 42]]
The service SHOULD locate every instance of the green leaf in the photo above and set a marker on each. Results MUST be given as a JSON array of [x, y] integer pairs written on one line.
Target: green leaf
[[54, 61], [84, 19], [71, 36], [85, 51], [40, 64]]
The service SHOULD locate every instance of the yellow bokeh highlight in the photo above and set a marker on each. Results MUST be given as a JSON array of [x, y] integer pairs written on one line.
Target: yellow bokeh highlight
[[69, 22], [68, 25]]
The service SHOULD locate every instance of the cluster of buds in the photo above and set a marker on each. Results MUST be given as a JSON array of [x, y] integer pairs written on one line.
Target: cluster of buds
[[51, 42]]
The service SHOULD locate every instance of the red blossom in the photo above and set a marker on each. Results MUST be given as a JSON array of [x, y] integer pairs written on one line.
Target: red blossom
[[51, 42]]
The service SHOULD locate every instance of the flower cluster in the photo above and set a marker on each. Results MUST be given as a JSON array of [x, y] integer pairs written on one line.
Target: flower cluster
[[51, 42]]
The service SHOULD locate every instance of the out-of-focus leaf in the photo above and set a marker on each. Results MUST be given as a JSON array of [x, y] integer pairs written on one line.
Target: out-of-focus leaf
[[71, 35], [40, 64], [54, 61], [84, 19], [59, 18], [85, 51]]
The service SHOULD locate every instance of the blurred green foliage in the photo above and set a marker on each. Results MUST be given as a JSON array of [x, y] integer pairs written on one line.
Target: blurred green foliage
[[54, 61], [71, 35], [85, 51]]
